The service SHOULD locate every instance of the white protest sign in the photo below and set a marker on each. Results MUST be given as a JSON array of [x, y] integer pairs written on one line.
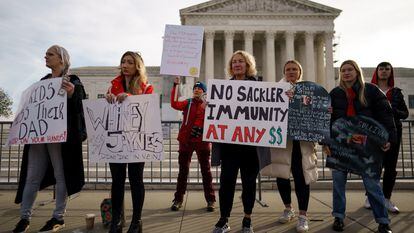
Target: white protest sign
[[181, 53], [41, 117], [124, 133], [246, 112]]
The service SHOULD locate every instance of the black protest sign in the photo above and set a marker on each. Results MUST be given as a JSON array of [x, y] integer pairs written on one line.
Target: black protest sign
[[355, 145], [309, 118]]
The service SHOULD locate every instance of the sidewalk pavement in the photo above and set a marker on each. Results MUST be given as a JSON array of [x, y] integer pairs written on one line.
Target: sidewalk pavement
[[157, 217]]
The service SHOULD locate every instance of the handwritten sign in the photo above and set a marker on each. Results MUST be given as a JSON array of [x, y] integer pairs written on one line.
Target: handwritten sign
[[355, 145], [124, 133], [309, 118], [246, 112], [41, 117], [181, 54]]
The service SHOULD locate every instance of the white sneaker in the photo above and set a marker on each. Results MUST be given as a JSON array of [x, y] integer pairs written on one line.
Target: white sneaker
[[391, 207], [223, 229], [302, 225], [367, 205], [288, 215]]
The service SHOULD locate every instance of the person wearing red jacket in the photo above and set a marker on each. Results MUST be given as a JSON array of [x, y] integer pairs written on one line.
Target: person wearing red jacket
[[383, 77], [132, 80], [190, 140]]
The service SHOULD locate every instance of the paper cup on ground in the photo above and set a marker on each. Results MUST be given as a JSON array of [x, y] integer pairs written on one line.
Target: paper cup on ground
[[90, 220]]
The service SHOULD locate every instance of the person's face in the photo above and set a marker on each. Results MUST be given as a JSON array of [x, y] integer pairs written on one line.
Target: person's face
[[52, 59], [348, 74], [292, 72], [384, 72], [197, 92], [238, 65], [128, 68]]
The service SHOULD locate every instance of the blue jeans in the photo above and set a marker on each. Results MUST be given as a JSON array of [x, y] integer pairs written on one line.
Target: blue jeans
[[373, 189], [39, 154]]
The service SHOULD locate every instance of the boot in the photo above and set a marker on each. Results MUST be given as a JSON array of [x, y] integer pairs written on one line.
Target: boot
[[135, 227]]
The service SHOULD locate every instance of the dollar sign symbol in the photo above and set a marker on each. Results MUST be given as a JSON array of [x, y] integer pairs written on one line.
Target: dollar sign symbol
[[271, 132], [279, 132]]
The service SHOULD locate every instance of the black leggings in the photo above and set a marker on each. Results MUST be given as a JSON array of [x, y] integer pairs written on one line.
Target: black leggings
[[135, 174], [233, 158], [301, 188]]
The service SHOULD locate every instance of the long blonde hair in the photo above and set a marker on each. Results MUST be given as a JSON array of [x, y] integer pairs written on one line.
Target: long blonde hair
[[250, 62], [360, 80], [140, 77]]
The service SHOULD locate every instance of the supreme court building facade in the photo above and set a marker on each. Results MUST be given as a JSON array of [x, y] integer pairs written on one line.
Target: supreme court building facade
[[274, 31]]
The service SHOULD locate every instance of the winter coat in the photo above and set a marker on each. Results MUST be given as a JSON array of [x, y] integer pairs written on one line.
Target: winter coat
[[71, 149], [281, 160], [193, 117], [377, 107], [118, 86]]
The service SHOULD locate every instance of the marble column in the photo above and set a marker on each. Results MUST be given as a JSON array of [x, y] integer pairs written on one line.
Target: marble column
[[209, 39], [228, 47], [329, 68], [248, 41], [289, 45], [320, 62], [309, 73], [270, 57]]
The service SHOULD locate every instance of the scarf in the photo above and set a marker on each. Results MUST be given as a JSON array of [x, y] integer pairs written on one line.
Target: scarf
[[350, 111]]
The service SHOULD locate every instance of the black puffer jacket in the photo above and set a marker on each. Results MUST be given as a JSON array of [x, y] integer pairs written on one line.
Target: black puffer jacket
[[377, 107], [399, 108]]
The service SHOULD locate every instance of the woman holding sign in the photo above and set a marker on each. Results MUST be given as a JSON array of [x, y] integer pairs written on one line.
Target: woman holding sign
[[233, 157], [299, 157], [132, 80], [354, 97], [58, 164]]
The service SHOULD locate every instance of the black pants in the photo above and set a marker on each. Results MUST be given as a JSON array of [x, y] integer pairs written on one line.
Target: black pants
[[390, 165], [233, 158], [301, 188], [135, 174]]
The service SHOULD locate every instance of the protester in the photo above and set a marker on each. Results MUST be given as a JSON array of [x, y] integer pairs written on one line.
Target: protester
[[242, 67], [132, 80], [58, 164], [353, 97], [190, 140], [384, 78], [299, 157]]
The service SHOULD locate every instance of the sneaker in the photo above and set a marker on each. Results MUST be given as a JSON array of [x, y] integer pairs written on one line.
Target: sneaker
[[384, 228], [288, 215], [176, 205], [338, 224], [302, 225], [391, 207], [221, 226], [211, 206], [247, 225], [22, 226], [53, 225], [247, 229], [367, 205]]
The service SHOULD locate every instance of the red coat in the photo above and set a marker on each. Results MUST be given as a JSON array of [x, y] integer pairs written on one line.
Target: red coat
[[193, 115], [118, 87]]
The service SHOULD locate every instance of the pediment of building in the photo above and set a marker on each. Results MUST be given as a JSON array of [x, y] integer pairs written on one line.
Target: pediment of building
[[260, 7]]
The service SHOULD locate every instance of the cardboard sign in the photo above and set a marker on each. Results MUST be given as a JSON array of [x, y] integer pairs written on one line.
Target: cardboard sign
[[124, 133], [309, 118], [182, 48], [246, 112], [355, 145], [42, 115]]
